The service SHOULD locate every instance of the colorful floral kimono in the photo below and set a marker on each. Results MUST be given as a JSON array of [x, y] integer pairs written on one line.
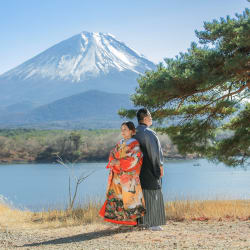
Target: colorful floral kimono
[[124, 198]]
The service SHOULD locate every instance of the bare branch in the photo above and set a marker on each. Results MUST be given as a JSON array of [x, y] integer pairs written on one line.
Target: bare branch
[[181, 102], [78, 181]]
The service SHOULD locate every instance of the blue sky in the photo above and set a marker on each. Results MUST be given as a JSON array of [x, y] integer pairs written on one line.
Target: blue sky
[[156, 28]]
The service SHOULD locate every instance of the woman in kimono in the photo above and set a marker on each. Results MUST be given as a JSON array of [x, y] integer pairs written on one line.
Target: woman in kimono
[[124, 198]]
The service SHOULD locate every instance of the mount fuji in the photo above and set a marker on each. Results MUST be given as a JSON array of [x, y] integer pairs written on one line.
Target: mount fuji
[[86, 61]]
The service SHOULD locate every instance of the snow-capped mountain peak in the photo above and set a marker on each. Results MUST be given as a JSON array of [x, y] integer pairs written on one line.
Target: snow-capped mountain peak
[[83, 56]]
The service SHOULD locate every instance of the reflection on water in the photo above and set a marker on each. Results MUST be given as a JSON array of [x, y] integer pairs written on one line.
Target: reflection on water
[[43, 186]]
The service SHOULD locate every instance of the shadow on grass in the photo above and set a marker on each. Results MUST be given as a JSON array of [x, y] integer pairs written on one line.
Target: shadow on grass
[[79, 237]]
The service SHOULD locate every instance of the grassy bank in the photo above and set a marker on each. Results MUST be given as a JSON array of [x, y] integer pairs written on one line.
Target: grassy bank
[[215, 210]]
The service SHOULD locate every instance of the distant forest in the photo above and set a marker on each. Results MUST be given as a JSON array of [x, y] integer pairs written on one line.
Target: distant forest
[[44, 146]]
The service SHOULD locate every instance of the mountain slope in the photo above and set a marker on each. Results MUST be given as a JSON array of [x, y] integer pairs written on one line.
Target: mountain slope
[[90, 104], [91, 109], [83, 62]]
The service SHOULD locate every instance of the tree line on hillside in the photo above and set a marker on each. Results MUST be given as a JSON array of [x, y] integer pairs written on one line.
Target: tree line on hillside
[[29, 145]]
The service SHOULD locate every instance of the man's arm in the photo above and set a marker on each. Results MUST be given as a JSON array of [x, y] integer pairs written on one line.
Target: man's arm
[[154, 151]]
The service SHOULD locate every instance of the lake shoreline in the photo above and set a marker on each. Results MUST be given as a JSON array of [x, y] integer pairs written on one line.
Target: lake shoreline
[[91, 160]]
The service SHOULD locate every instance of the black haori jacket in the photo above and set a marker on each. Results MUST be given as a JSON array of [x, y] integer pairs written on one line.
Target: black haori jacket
[[152, 157]]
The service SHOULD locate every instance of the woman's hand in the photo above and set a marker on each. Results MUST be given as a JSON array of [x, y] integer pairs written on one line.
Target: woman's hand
[[115, 165], [162, 171], [115, 162]]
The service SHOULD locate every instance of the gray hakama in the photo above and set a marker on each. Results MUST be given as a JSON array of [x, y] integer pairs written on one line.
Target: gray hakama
[[155, 211]]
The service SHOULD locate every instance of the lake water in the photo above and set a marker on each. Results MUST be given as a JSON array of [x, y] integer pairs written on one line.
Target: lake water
[[42, 186]]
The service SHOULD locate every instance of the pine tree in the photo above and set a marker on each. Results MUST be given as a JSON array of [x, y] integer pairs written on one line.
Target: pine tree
[[204, 92]]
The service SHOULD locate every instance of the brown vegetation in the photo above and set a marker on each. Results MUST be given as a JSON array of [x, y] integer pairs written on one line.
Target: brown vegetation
[[225, 210], [208, 210]]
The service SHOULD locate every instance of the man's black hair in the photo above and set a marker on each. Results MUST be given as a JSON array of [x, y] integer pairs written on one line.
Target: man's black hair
[[141, 114]]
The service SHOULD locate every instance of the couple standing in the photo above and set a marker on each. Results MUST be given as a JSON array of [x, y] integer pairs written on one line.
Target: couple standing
[[134, 194]]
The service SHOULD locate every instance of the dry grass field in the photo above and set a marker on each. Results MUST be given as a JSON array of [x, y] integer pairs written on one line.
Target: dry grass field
[[190, 225], [216, 210]]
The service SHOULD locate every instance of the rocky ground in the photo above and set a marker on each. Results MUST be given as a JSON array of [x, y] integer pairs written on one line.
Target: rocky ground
[[176, 235]]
